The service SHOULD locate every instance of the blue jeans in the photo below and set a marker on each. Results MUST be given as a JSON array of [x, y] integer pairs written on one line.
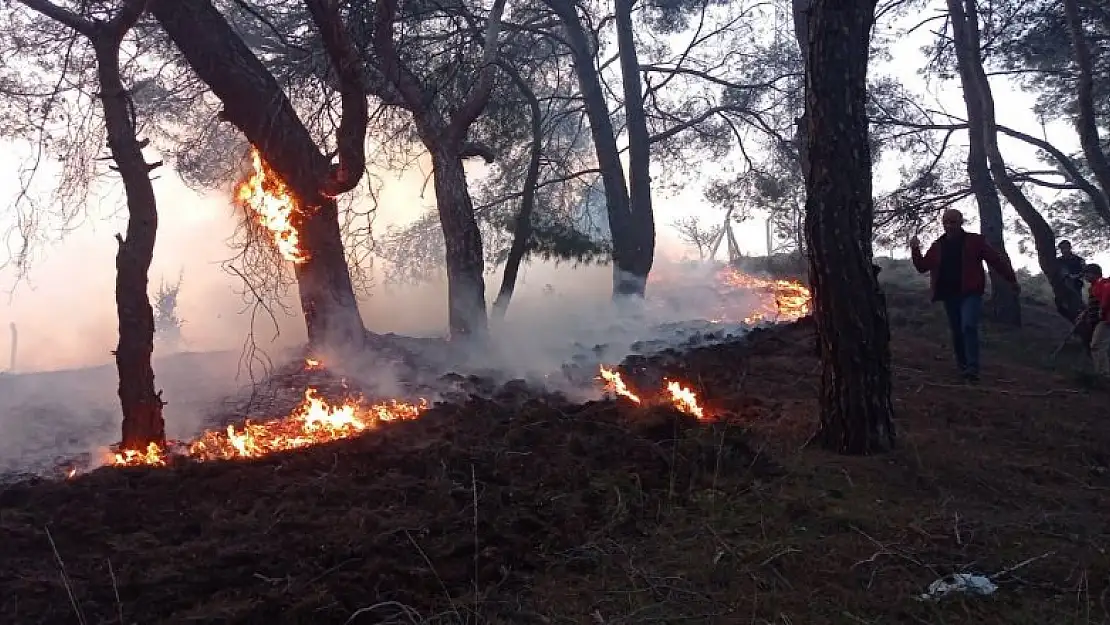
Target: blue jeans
[[963, 321]]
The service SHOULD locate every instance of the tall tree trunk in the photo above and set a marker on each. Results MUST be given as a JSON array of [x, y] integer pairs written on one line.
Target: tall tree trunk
[[255, 103], [641, 214], [466, 286], [965, 28], [618, 206], [856, 408], [1086, 123], [141, 403], [522, 229], [1004, 305], [800, 10]]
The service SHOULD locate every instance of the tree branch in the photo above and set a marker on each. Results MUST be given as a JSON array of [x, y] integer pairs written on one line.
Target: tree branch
[[86, 27], [351, 133], [479, 95]]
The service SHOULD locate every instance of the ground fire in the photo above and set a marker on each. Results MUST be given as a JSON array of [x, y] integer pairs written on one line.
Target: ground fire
[[263, 194], [315, 421], [789, 300], [678, 395]]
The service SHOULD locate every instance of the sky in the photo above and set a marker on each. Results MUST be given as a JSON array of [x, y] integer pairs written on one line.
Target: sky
[[64, 308]]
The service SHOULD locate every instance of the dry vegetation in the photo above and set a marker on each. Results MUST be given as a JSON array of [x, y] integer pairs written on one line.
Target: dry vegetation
[[521, 507]]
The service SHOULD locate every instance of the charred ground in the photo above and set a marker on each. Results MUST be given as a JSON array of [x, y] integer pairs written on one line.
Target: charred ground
[[522, 507]]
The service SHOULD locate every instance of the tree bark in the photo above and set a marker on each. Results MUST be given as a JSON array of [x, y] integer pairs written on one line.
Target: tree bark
[[641, 214], [965, 30], [627, 254], [1004, 305], [1086, 123], [856, 408], [522, 230], [255, 103], [466, 286], [444, 136], [141, 405]]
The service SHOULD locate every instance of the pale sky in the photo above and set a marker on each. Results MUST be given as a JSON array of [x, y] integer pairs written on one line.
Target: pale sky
[[65, 314]]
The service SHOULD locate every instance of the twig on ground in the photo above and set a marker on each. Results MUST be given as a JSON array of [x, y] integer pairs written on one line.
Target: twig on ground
[[1021, 565], [413, 616], [115, 589], [442, 585], [65, 579]]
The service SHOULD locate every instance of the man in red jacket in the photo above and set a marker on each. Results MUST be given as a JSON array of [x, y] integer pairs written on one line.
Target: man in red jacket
[[1099, 310], [955, 266]]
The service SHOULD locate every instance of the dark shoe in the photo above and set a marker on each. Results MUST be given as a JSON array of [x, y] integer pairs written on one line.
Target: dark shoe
[[971, 378]]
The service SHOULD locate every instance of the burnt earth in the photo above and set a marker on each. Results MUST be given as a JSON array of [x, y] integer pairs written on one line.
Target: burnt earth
[[520, 507]]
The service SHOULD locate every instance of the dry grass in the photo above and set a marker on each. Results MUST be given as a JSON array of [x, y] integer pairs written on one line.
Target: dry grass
[[525, 508]]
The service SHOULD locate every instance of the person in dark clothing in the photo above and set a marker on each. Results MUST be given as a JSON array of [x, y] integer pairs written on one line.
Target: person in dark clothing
[[1072, 266], [955, 266]]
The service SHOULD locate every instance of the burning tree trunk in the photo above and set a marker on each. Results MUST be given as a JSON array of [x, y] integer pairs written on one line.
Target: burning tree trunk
[[255, 103], [444, 137], [965, 29], [142, 405], [632, 256], [856, 408], [522, 230]]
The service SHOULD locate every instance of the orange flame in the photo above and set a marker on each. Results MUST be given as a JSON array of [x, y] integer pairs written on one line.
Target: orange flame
[[791, 300], [315, 421], [685, 400], [153, 455], [267, 197], [615, 384], [312, 363]]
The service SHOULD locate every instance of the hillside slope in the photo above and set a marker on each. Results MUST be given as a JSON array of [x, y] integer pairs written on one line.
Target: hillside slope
[[527, 508]]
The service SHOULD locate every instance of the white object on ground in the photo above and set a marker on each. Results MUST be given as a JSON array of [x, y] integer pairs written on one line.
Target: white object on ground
[[960, 582]]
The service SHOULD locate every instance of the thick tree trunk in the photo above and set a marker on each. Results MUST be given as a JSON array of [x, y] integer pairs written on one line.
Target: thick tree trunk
[[522, 230], [1004, 305], [255, 103], [965, 28], [1086, 123], [642, 216], [466, 286], [629, 271], [856, 407], [142, 405]]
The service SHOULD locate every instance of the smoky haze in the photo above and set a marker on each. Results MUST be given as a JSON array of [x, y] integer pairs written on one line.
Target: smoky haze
[[60, 399]]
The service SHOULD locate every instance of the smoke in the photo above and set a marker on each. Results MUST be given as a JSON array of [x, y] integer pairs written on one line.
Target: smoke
[[61, 399]]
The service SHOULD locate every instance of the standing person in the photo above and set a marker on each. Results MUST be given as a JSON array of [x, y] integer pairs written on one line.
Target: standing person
[[1071, 265], [955, 266], [1098, 311]]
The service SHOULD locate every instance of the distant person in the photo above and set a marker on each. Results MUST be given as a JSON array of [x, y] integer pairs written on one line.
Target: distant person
[[955, 266], [1072, 266], [1098, 315]]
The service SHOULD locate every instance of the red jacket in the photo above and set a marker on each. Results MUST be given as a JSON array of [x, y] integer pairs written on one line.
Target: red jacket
[[973, 278], [1100, 291]]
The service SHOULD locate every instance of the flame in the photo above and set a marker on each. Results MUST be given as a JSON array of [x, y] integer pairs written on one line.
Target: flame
[[312, 363], [265, 195], [71, 473], [685, 400], [791, 300], [615, 384], [315, 421], [154, 455]]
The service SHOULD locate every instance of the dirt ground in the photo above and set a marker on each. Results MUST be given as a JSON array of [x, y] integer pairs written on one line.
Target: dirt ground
[[525, 508]]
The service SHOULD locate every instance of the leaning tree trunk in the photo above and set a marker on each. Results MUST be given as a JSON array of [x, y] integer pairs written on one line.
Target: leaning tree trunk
[[1004, 305], [856, 407], [522, 230], [1086, 121], [628, 256], [642, 216], [255, 103], [466, 286], [965, 28], [142, 405]]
